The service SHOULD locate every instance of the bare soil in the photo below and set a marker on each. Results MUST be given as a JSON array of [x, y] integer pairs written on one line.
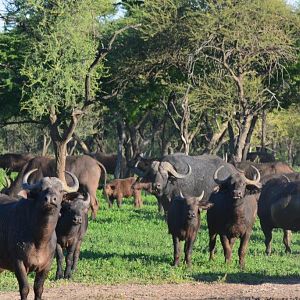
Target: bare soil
[[74, 291]]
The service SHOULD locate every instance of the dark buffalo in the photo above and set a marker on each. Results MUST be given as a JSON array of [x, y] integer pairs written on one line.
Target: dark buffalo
[[109, 161], [265, 169], [278, 207], [14, 162], [233, 213], [87, 170], [70, 230], [189, 174], [122, 188], [184, 223], [27, 231], [261, 157]]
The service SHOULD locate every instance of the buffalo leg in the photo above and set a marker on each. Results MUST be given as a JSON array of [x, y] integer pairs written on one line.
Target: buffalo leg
[[212, 245], [243, 248], [176, 244], [21, 275], [76, 255], [59, 262], [268, 238], [39, 280], [110, 202], [69, 261], [226, 248], [94, 207], [119, 200], [231, 242], [287, 234], [188, 248]]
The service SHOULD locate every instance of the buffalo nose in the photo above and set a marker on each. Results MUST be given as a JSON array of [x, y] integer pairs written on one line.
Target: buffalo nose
[[51, 199], [77, 220], [191, 215]]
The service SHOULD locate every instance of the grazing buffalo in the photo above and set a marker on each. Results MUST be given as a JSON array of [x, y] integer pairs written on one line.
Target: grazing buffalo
[[122, 188], [87, 170], [27, 231], [14, 162], [233, 213], [278, 207], [70, 230], [265, 169], [184, 223]]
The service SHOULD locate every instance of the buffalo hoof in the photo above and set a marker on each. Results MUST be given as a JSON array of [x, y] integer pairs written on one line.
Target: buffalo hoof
[[68, 276], [59, 276]]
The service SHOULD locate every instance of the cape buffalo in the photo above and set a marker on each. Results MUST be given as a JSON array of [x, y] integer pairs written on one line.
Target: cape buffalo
[[189, 174], [233, 213], [184, 223], [278, 207], [87, 170], [14, 162], [70, 230], [265, 169], [122, 188], [27, 231]]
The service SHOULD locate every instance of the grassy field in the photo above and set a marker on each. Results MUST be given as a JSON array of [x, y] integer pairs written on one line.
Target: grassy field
[[130, 245]]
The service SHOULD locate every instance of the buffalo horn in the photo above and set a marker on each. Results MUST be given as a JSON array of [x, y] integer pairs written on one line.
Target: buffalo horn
[[168, 167], [256, 181], [180, 194], [26, 185], [287, 179], [200, 197], [75, 187], [87, 201], [217, 180], [7, 181]]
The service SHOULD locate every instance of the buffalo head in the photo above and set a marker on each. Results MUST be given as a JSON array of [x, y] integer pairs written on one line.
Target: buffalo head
[[237, 183], [49, 192], [194, 205], [75, 208], [164, 172]]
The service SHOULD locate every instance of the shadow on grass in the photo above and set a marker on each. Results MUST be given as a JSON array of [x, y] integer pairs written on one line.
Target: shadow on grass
[[146, 258], [245, 278]]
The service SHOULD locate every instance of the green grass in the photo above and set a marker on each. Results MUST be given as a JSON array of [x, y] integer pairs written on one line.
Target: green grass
[[130, 245]]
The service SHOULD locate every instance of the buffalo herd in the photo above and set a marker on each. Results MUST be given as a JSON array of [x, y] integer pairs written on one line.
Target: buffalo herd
[[41, 216]]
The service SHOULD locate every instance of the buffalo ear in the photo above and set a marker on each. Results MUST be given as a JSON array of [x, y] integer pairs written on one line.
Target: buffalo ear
[[254, 188], [205, 205], [23, 194], [70, 196]]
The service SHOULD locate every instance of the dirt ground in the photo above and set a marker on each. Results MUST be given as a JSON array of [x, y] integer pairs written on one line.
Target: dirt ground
[[76, 291]]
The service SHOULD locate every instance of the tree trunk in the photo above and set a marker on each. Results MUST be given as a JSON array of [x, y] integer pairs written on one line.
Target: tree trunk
[[82, 144], [263, 130], [231, 140], [121, 138], [244, 128], [249, 135], [216, 138], [46, 145], [60, 141]]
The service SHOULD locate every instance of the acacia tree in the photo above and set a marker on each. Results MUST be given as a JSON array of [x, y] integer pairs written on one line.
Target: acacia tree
[[250, 42], [65, 60]]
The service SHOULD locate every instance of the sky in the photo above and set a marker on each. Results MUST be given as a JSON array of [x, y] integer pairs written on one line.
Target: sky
[[292, 2]]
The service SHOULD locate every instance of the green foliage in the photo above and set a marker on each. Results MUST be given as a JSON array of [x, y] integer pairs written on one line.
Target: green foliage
[[130, 245], [64, 42]]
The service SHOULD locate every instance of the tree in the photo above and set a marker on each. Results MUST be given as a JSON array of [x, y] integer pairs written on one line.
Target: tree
[[66, 59]]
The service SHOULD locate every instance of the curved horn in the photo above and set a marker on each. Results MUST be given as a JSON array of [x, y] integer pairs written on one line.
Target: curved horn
[[256, 181], [217, 180], [87, 201], [168, 167], [26, 185], [180, 194], [75, 187], [287, 179], [7, 182], [201, 196]]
